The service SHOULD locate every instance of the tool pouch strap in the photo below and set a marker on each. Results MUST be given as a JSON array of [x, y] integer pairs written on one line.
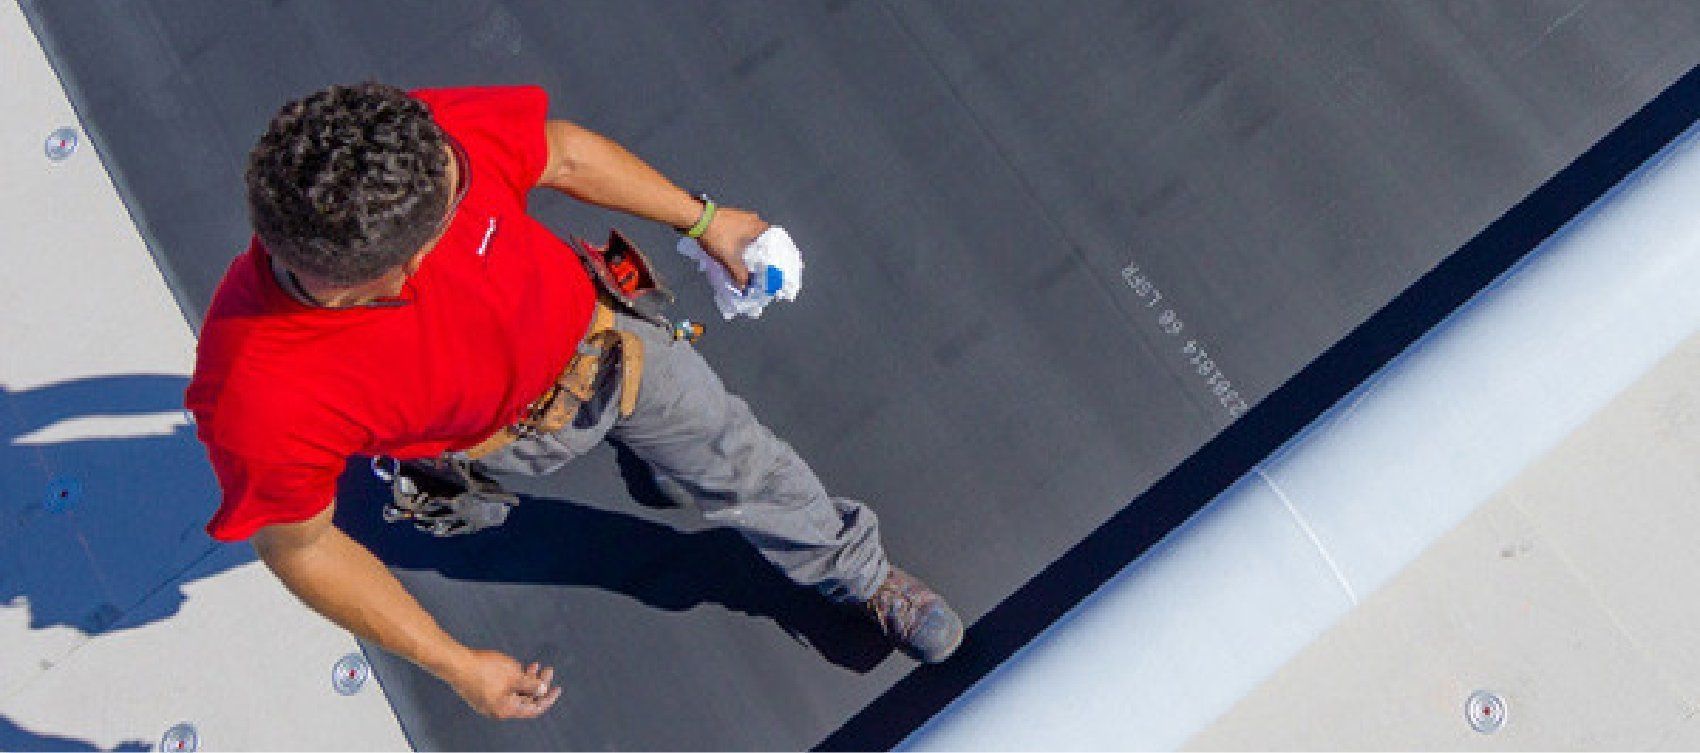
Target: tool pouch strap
[[577, 384]]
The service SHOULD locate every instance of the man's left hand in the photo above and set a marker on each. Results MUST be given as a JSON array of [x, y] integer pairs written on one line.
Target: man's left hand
[[728, 233]]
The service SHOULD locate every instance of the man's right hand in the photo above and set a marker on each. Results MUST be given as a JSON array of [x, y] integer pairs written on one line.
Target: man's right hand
[[341, 580], [495, 685]]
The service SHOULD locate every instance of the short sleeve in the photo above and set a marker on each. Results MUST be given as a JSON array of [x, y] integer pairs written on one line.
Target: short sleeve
[[259, 493], [277, 460], [501, 128]]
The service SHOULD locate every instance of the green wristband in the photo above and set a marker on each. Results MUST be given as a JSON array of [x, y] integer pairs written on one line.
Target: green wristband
[[701, 227]]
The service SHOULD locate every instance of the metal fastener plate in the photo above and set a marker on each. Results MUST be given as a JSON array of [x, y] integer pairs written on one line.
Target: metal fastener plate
[[350, 673], [63, 493], [61, 144], [1485, 711], [181, 737]]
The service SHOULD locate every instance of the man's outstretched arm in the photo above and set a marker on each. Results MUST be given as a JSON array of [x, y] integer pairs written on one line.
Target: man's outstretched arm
[[341, 580], [595, 169]]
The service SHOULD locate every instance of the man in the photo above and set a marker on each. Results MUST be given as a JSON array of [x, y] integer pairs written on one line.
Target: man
[[397, 300]]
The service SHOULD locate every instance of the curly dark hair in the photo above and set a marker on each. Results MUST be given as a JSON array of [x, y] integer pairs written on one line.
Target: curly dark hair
[[349, 182]]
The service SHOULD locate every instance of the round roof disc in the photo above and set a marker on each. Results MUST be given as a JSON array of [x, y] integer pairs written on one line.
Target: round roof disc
[[181, 737], [350, 673], [1485, 711], [63, 493], [61, 144]]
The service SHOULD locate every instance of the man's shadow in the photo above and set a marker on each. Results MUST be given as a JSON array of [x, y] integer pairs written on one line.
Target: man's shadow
[[109, 540], [567, 543], [102, 499], [126, 483], [14, 737]]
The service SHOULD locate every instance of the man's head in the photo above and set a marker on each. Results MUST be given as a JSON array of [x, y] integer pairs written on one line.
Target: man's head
[[349, 183]]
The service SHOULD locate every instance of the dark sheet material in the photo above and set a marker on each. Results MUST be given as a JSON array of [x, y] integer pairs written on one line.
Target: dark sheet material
[[1054, 251]]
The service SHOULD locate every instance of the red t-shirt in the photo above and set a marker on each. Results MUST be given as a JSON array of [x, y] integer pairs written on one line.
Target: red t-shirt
[[284, 393]]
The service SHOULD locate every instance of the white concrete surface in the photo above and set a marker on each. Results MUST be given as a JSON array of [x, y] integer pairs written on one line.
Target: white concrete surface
[[1169, 644], [1570, 594], [119, 616]]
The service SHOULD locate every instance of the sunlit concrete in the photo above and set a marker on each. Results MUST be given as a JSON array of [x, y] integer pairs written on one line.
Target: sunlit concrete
[[1567, 594]]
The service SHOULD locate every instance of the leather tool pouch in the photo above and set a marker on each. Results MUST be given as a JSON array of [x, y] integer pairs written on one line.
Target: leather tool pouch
[[624, 275], [442, 496]]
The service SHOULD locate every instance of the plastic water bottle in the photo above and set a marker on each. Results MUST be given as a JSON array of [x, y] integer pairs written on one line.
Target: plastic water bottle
[[765, 282]]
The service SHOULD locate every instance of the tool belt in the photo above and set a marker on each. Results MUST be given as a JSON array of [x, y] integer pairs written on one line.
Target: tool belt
[[448, 496], [603, 347]]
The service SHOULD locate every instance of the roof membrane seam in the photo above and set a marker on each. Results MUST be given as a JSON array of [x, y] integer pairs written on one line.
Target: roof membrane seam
[[1310, 533]]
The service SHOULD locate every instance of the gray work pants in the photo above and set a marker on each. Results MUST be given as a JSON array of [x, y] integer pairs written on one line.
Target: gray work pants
[[688, 427]]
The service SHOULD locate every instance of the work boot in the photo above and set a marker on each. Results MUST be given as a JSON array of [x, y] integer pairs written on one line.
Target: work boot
[[915, 617]]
